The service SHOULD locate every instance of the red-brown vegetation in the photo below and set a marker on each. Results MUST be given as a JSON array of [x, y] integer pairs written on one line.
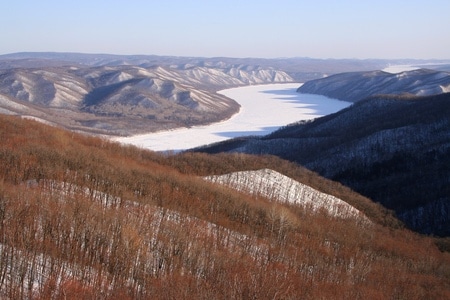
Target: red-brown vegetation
[[84, 218]]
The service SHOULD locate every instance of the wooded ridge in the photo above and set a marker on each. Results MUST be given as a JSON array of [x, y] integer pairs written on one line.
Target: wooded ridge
[[83, 217]]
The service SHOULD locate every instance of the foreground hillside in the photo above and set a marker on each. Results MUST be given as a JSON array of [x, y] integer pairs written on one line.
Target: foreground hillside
[[82, 217], [394, 150], [356, 86]]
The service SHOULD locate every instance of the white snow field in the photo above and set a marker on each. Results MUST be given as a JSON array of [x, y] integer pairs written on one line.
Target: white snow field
[[264, 108]]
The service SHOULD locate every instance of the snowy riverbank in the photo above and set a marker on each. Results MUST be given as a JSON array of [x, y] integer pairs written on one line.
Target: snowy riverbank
[[264, 108]]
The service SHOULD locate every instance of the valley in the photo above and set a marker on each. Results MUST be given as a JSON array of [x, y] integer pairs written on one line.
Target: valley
[[263, 109], [393, 149], [120, 95], [108, 191]]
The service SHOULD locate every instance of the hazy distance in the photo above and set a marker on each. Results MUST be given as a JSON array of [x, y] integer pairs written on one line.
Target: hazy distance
[[266, 29]]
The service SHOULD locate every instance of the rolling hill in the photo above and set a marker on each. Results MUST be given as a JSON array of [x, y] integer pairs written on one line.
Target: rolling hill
[[356, 86], [126, 99]]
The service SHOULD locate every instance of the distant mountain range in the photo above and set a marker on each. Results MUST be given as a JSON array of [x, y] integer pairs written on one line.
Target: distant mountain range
[[301, 69], [130, 94], [392, 149], [356, 86]]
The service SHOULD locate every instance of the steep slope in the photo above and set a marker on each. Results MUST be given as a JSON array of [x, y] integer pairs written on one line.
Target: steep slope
[[82, 217], [359, 85], [394, 150]]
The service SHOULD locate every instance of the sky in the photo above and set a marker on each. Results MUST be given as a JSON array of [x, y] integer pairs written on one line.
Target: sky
[[390, 29]]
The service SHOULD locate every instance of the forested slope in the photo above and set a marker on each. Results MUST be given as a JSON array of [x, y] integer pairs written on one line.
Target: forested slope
[[82, 217], [392, 149]]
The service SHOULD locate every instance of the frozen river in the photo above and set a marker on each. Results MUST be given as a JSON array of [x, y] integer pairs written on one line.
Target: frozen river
[[264, 108]]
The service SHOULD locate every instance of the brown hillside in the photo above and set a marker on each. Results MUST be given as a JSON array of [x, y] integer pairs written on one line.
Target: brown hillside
[[84, 218]]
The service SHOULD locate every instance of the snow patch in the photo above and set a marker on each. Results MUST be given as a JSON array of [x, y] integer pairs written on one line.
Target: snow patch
[[278, 187], [122, 76], [395, 69]]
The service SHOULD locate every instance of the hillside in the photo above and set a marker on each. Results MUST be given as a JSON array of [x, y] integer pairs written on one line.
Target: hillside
[[82, 217], [394, 150], [356, 86], [124, 99]]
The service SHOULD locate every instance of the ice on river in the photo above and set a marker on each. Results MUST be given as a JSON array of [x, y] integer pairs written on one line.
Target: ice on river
[[264, 108]]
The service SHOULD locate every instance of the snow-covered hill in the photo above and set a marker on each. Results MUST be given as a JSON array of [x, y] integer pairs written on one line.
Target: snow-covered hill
[[46, 87], [127, 99], [278, 187], [359, 85]]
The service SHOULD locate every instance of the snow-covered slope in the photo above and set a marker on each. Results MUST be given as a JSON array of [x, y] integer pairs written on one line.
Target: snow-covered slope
[[128, 99], [49, 87], [359, 85], [233, 75], [276, 186]]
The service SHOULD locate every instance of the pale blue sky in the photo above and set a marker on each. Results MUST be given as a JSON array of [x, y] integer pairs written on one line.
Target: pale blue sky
[[252, 28]]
